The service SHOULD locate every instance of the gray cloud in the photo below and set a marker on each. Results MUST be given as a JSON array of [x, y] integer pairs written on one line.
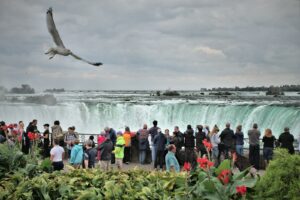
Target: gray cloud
[[152, 44]]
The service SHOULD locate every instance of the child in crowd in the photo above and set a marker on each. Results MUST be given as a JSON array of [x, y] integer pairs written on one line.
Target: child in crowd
[[76, 155], [119, 150]]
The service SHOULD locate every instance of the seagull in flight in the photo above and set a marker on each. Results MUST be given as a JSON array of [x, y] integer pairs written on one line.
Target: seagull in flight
[[60, 47]]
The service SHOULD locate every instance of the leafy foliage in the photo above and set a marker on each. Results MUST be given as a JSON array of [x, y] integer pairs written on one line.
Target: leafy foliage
[[96, 184], [10, 159], [282, 177]]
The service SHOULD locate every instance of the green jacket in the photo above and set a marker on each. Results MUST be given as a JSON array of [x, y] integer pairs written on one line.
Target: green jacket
[[119, 149]]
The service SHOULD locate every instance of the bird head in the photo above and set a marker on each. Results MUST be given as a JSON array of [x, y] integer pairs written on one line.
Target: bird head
[[49, 10]]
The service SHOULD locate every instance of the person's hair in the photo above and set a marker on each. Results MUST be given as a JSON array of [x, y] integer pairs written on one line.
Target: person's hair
[[171, 147], [56, 141], [268, 132], [89, 143], [227, 125], [214, 130], [106, 129], [189, 127], [200, 128], [177, 127], [91, 137], [127, 129], [56, 122], [20, 122], [47, 125], [286, 129], [34, 121], [76, 141], [154, 123], [255, 126], [239, 128]]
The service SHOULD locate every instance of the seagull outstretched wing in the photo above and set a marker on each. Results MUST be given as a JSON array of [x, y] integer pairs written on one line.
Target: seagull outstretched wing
[[91, 63], [52, 29]]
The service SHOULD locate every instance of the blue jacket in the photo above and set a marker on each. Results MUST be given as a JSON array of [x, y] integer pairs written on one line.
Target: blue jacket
[[76, 154], [171, 161]]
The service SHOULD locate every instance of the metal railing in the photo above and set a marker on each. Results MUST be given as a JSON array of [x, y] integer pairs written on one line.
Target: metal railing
[[85, 136]]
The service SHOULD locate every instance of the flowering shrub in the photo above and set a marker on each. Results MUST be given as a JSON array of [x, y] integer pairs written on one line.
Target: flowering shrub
[[219, 183], [187, 166]]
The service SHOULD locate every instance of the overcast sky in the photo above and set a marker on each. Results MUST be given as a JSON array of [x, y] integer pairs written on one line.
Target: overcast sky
[[152, 44]]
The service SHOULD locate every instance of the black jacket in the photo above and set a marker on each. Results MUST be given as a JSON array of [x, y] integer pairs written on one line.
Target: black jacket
[[160, 141], [200, 136], [286, 141], [189, 138], [177, 140], [106, 149], [227, 137]]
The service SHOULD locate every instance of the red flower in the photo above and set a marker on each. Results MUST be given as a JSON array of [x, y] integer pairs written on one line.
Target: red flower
[[224, 176], [187, 166], [207, 144], [204, 163], [31, 136], [241, 190]]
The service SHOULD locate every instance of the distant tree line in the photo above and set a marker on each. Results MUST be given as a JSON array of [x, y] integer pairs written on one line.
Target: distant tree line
[[282, 88]]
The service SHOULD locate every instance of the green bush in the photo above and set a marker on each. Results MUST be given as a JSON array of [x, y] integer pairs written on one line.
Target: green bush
[[281, 179], [10, 159]]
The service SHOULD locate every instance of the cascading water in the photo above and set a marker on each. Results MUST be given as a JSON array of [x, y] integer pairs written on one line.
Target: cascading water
[[93, 116]]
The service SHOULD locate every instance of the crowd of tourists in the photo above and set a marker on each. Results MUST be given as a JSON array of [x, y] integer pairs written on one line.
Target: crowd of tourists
[[168, 151]]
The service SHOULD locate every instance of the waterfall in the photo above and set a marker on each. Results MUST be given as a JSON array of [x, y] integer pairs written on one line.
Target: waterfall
[[92, 117]]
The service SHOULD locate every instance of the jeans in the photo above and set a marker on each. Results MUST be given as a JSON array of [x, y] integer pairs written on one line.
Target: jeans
[[215, 154], [240, 149], [254, 155], [142, 156], [153, 153], [268, 153]]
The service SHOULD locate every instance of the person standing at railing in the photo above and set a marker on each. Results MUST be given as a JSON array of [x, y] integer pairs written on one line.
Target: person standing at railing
[[100, 140], [111, 133], [269, 143], [57, 133], [127, 150], [215, 141], [227, 141], [160, 142], [143, 135], [46, 144], [254, 156], [70, 138], [189, 145], [286, 140], [178, 141], [200, 136], [153, 132], [239, 140]]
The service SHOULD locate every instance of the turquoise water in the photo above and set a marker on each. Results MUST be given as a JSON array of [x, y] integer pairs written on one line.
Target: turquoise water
[[91, 113]]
